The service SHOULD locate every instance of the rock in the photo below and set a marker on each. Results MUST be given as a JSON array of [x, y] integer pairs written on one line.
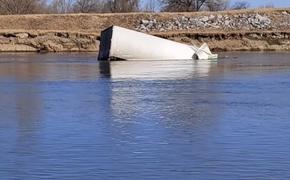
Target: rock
[[184, 19], [62, 35], [64, 40], [260, 22], [52, 46], [263, 19], [246, 21], [227, 23], [33, 34], [4, 40], [200, 24], [143, 26], [192, 20], [211, 17], [145, 22], [204, 19], [284, 13], [205, 24], [150, 24], [255, 36], [22, 35], [177, 23]]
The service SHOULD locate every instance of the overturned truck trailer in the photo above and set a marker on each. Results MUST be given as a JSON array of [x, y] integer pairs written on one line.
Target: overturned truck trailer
[[124, 44]]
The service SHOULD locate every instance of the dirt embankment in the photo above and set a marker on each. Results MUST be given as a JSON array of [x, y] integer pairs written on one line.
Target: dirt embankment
[[261, 29]]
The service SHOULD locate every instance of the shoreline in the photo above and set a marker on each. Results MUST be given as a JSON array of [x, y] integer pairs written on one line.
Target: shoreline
[[237, 30]]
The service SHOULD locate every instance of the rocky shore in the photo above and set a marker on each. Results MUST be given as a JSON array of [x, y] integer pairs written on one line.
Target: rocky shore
[[48, 42], [262, 29]]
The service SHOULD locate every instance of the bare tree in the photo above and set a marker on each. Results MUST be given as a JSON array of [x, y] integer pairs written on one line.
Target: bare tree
[[61, 6], [88, 6], [122, 5], [19, 6], [217, 5], [182, 5], [240, 5]]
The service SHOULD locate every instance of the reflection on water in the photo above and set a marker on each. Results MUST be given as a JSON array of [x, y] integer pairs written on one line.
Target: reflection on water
[[66, 116], [159, 69]]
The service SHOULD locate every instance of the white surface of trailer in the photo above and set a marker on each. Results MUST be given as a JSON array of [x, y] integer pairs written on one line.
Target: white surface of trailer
[[122, 43]]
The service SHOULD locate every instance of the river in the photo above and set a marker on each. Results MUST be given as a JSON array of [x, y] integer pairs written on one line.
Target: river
[[66, 116]]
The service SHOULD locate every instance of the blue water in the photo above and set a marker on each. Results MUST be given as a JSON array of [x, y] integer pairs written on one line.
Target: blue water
[[68, 117]]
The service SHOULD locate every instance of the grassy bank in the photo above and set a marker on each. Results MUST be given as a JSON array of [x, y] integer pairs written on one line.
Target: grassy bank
[[260, 29]]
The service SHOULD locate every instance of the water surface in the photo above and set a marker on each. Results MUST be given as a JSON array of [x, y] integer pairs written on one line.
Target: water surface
[[66, 116]]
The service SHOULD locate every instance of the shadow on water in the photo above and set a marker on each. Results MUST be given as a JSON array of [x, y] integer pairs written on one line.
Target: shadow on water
[[105, 68]]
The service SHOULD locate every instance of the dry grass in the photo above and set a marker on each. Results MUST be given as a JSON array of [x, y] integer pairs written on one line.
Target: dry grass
[[94, 23]]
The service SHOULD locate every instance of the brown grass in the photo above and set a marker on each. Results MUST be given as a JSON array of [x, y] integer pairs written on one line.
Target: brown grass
[[94, 23]]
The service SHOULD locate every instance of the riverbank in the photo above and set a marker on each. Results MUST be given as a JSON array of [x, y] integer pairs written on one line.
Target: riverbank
[[260, 29]]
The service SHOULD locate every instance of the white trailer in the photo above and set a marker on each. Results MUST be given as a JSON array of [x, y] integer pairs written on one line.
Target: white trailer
[[125, 44]]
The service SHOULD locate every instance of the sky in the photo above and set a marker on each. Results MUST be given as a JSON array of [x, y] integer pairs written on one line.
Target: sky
[[276, 3]]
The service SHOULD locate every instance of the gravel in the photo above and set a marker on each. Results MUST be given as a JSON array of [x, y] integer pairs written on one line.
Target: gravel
[[254, 21]]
